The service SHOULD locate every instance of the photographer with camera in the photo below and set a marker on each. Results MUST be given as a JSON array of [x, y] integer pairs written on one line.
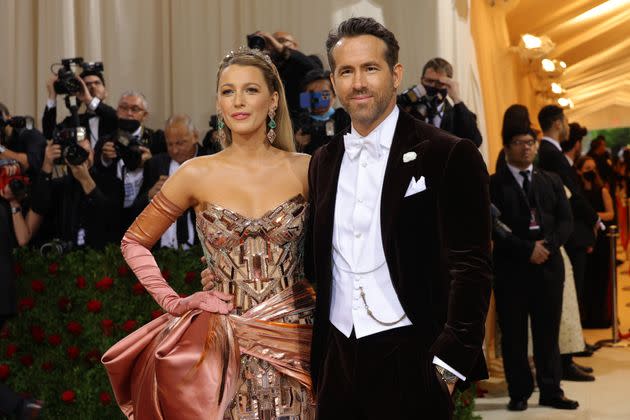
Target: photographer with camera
[[182, 144], [81, 208], [211, 142], [19, 140], [11, 403], [124, 154], [429, 102], [99, 119], [318, 121], [292, 64]]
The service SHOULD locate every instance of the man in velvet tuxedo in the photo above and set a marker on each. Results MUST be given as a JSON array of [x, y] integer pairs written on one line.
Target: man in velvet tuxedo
[[529, 269], [398, 246]]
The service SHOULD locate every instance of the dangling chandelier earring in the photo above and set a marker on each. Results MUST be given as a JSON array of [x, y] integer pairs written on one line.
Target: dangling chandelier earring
[[271, 134], [220, 129]]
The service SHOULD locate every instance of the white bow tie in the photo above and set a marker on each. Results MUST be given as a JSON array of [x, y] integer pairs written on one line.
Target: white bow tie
[[353, 145]]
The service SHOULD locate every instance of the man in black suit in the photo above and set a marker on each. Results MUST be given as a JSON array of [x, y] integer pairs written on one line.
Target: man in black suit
[[99, 119], [398, 244], [182, 144], [529, 270], [439, 85]]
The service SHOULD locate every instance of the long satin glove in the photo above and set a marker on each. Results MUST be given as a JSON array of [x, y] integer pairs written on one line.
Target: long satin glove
[[145, 231]]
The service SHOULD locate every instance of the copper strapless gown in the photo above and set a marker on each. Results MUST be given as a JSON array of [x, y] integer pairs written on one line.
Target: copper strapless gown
[[252, 364]]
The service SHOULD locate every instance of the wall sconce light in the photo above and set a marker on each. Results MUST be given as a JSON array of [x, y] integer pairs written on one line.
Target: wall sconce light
[[556, 88], [565, 103], [533, 47]]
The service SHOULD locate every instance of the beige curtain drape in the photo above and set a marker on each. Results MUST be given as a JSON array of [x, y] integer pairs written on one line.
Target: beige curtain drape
[[170, 49]]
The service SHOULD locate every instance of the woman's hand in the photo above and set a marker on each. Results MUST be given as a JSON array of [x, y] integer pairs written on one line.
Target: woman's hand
[[213, 301]]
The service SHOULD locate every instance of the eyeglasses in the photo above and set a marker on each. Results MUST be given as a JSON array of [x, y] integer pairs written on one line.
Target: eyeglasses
[[520, 143], [134, 108]]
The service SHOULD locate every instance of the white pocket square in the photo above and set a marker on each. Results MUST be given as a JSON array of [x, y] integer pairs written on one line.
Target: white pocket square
[[415, 186]]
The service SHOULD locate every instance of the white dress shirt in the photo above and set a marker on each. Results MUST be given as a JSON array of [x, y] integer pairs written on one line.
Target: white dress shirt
[[169, 238], [517, 174], [553, 141], [358, 255], [93, 121]]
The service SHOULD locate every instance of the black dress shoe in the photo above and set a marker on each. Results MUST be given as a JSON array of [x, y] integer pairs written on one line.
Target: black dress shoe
[[585, 369], [562, 403], [517, 405], [585, 353], [573, 373], [592, 347]]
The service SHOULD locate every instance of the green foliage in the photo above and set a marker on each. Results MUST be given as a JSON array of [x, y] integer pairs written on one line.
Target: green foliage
[[51, 297], [54, 293]]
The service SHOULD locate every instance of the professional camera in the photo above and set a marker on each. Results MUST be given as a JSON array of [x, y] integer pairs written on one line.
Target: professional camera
[[67, 82], [256, 42], [128, 149], [17, 182], [71, 151], [417, 99], [95, 66], [316, 128], [55, 248], [18, 123]]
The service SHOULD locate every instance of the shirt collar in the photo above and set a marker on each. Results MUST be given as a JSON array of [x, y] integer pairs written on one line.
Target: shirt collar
[[385, 130], [553, 141], [516, 172]]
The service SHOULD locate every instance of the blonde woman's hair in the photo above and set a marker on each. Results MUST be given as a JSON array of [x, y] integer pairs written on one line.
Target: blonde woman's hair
[[255, 58]]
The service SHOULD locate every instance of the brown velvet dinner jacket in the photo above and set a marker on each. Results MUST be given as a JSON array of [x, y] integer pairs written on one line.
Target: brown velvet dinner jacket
[[436, 242]]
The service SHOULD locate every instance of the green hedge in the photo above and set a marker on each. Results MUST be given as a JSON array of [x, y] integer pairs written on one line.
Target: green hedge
[[72, 308]]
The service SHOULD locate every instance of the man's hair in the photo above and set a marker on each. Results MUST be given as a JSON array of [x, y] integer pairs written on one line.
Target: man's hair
[[548, 115], [4, 111], [98, 74], [357, 26], [313, 75], [516, 122], [181, 119], [143, 99], [438, 65]]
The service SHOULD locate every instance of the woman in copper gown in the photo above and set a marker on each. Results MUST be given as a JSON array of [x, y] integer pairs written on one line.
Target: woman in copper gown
[[241, 350]]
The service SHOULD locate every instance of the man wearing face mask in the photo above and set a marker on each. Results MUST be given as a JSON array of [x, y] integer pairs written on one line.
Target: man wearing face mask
[[124, 153], [431, 102], [318, 121], [99, 119]]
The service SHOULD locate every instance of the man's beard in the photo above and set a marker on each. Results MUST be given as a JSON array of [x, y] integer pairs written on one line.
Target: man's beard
[[368, 113]]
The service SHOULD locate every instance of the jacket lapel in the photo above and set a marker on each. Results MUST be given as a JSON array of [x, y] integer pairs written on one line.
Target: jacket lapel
[[398, 174]]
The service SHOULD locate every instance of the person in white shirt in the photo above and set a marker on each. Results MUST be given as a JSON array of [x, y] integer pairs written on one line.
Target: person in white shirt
[[398, 246]]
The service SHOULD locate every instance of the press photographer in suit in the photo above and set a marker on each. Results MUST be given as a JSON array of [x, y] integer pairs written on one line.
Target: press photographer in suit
[[182, 144], [431, 102]]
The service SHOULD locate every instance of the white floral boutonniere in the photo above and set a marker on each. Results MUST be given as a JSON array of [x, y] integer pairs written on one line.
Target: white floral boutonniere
[[409, 156]]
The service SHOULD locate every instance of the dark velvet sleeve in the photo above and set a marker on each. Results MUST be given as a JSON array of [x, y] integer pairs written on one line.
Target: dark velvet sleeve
[[49, 121], [465, 209]]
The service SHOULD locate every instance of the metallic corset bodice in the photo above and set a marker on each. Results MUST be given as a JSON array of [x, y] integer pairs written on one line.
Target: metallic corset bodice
[[253, 259]]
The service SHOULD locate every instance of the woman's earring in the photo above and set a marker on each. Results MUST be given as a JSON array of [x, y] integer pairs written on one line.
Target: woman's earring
[[271, 134], [220, 129]]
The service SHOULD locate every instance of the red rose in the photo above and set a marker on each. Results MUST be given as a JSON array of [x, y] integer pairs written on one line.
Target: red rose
[[81, 283], [94, 306], [11, 349], [53, 268], [4, 372], [26, 303], [107, 325], [138, 289], [129, 325], [37, 286], [26, 360], [68, 396], [64, 304], [123, 270], [105, 283], [74, 328], [105, 398], [37, 333], [156, 314], [191, 276], [72, 352], [18, 270], [166, 274], [47, 366], [54, 339], [93, 356]]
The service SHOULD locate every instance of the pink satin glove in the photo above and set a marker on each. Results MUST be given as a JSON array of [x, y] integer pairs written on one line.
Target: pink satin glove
[[214, 301]]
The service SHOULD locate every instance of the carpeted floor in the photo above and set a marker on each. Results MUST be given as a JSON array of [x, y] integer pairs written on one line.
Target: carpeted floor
[[608, 398]]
